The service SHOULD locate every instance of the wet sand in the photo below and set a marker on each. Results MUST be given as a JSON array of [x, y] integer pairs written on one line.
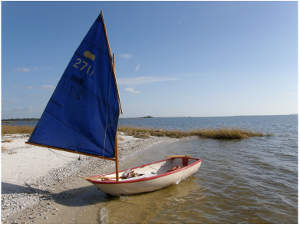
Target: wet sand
[[40, 185]]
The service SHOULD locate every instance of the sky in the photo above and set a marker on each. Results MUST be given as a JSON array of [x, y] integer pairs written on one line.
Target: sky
[[173, 59]]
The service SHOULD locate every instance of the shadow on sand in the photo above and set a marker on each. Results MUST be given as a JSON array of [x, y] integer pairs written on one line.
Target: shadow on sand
[[91, 195], [82, 196]]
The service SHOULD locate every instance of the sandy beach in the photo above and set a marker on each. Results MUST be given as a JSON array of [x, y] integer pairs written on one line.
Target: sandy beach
[[36, 180]]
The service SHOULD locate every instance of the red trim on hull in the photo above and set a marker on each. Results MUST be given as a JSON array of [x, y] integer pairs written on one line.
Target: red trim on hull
[[145, 178]]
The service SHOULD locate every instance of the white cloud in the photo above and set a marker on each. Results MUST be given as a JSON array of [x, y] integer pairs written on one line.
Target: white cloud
[[143, 107], [137, 67], [22, 112], [6, 101], [131, 90], [125, 56], [26, 109], [143, 80], [22, 69], [31, 69], [48, 87], [39, 95], [181, 19], [22, 87]]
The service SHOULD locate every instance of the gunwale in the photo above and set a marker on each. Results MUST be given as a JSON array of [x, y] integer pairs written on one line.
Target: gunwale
[[97, 181]]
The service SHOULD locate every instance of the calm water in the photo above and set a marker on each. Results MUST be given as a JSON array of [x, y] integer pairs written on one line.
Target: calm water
[[254, 180]]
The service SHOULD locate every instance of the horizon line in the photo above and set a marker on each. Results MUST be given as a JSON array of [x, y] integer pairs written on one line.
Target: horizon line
[[145, 117]]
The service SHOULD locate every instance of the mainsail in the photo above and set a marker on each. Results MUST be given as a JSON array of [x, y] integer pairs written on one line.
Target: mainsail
[[83, 112]]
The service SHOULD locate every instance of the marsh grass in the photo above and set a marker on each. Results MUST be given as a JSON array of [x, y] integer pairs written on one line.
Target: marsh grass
[[141, 132], [16, 129], [219, 133], [226, 133]]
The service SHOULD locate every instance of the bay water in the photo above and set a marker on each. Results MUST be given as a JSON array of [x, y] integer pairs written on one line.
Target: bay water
[[253, 180]]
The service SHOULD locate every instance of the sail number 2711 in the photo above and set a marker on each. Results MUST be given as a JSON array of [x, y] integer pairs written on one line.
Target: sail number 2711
[[82, 65]]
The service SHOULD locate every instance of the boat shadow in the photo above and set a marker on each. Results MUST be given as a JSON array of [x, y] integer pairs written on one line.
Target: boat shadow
[[81, 196], [7, 188], [91, 195]]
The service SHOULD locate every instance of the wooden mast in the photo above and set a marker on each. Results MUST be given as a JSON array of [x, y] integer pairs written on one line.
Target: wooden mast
[[117, 157], [112, 63], [116, 142], [112, 60]]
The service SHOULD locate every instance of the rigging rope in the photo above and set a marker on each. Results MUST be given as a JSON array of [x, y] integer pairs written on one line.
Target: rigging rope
[[59, 155]]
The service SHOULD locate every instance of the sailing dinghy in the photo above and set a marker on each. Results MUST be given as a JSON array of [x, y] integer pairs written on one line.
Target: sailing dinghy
[[82, 117], [146, 178]]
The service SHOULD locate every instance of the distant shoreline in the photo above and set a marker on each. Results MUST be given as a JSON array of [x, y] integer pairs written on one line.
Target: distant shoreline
[[205, 116], [19, 120], [145, 117]]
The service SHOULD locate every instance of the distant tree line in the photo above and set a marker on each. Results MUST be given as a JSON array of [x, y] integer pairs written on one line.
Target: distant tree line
[[20, 119]]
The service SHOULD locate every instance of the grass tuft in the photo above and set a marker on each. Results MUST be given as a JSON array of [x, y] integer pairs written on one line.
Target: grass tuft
[[219, 133], [16, 129], [226, 133]]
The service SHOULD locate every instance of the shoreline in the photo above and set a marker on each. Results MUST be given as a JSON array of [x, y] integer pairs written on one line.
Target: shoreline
[[36, 181]]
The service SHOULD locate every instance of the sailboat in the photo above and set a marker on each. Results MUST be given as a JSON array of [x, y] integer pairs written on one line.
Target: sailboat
[[82, 117]]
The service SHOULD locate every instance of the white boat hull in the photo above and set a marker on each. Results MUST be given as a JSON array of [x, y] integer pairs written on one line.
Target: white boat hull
[[155, 176]]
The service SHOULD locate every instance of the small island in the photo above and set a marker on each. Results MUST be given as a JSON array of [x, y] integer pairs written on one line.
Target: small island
[[147, 117]]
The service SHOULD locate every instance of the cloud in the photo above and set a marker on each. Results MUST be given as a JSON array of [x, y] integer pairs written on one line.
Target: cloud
[[125, 56], [181, 19], [31, 69], [131, 90], [39, 95], [48, 87], [22, 87], [6, 101], [137, 67], [145, 106], [143, 80], [22, 112], [22, 70], [26, 109]]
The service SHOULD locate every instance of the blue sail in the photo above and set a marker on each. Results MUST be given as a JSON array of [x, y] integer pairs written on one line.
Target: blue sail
[[83, 112]]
